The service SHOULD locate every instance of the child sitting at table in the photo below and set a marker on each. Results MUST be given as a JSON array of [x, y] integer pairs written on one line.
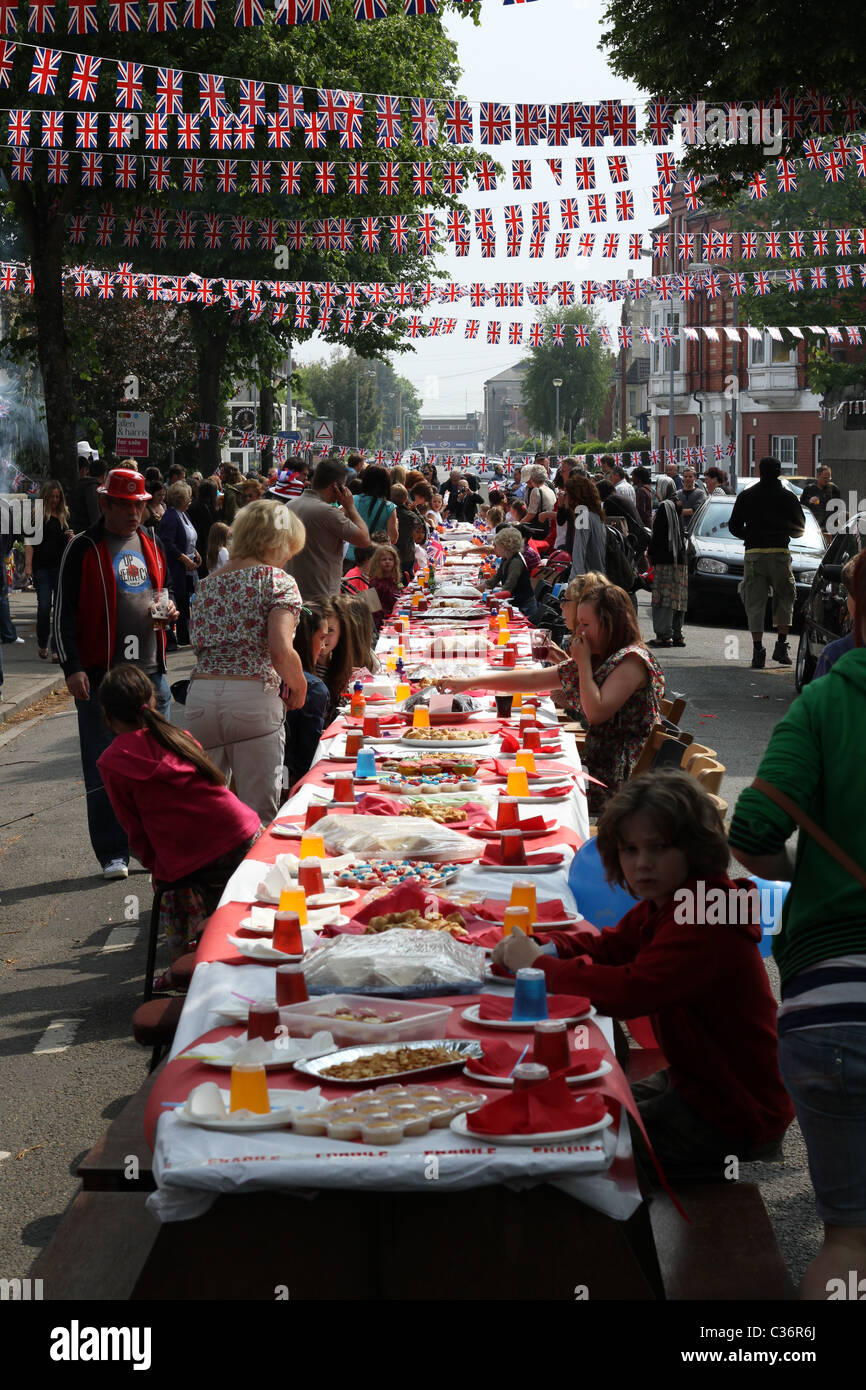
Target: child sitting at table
[[687, 956], [173, 803]]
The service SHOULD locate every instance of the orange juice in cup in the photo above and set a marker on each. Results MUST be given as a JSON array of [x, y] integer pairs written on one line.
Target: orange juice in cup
[[312, 847], [518, 785], [295, 900], [525, 758], [504, 637], [421, 717], [516, 702], [402, 692], [249, 1088], [502, 618], [517, 917], [523, 895]]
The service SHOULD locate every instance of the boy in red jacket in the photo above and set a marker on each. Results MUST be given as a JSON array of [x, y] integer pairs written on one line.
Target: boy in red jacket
[[687, 956]]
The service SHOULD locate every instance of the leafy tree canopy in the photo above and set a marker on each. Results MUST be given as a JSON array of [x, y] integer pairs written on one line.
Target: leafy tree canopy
[[586, 374]]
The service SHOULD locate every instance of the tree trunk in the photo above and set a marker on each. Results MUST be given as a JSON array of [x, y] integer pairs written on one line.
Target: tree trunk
[[266, 425], [211, 343], [42, 216]]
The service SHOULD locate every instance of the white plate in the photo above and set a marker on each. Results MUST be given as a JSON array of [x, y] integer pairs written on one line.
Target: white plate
[[445, 745], [571, 1080], [332, 777], [519, 869], [265, 954], [512, 757], [534, 800], [459, 1125], [316, 919], [470, 1015], [332, 897], [226, 1062], [280, 1116]]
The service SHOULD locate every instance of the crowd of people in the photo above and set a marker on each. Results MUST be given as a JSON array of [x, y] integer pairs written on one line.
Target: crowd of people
[[279, 585]]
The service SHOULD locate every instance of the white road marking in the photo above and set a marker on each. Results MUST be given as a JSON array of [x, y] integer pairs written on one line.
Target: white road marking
[[57, 1036], [4, 1153], [121, 938]]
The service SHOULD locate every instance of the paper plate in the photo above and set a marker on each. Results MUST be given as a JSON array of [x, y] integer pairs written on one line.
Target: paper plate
[[508, 1081], [520, 869], [563, 1136], [280, 1117], [470, 1015]]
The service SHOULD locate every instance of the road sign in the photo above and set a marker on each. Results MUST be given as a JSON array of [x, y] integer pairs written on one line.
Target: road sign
[[132, 434], [323, 432]]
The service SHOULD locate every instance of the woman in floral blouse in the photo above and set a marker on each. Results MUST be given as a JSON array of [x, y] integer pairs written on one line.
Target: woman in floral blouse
[[609, 677], [242, 627]]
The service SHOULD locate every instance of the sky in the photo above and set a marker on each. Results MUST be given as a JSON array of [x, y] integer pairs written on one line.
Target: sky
[[546, 51]]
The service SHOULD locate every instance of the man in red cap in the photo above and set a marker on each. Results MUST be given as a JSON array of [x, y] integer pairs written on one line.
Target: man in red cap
[[102, 617]]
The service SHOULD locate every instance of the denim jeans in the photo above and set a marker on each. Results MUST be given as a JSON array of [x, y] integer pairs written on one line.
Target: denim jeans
[[46, 588], [8, 632], [824, 1071], [107, 835], [667, 621]]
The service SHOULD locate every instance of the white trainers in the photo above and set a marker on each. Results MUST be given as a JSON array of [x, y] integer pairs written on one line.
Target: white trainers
[[115, 868]]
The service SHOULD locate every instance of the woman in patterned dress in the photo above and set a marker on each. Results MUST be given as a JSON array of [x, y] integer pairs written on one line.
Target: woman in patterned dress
[[242, 628], [609, 677]]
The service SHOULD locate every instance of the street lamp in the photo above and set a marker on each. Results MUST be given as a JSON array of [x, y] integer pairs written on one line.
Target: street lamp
[[557, 381], [358, 376]]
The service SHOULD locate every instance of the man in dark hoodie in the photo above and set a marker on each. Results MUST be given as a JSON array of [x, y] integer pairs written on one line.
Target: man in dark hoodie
[[766, 516]]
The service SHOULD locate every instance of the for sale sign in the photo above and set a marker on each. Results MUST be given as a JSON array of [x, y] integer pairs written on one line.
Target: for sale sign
[[133, 434]]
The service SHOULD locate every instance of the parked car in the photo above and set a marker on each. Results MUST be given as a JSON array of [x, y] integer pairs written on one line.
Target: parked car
[[825, 610], [792, 484], [715, 557]]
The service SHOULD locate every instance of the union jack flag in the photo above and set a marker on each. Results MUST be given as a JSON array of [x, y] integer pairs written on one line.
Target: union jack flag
[[635, 246], [399, 234], [617, 165], [786, 175], [371, 9], [610, 245], [521, 173], [422, 177], [370, 233], [212, 96], [290, 102], [562, 245], [555, 167], [796, 246], [513, 221], [260, 175], [161, 16], [82, 17], [213, 231], [493, 331], [189, 132], [7, 55], [19, 128], [597, 206], [585, 244], [77, 230], [758, 186], [748, 245], [582, 335], [40, 18], [660, 122], [773, 245], [129, 86], [52, 129], [530, 123], [834, 167], [666, 167], [584, 168], [820, 243], [290, 178], [279, 130], [325, 178], [692, 189], [843, 241], [8, 17], [458, 122], [155, 132], [844, 277], [43, 78], [169, 91], [762, 282], [515, 333], [85, 74], [859, 157], [358, 177], [241, 233], [86, 130], [388, 121], [495, 123], [159, 173], [58, 166], [818, 277], [624, 203], [227, 175], [854, 335], [91, 170], [193, 175], [200, 14], [737, 282], [119, 132], [389, 178], [414, 7], [454, 177], [486, 175], [249, 14], [425, 126], [561, 123]]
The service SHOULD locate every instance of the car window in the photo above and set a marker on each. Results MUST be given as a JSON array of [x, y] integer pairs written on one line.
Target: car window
[[714, 519]]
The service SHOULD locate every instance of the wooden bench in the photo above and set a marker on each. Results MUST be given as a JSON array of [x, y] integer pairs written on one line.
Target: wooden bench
[[107, 1167], [99, 1248]]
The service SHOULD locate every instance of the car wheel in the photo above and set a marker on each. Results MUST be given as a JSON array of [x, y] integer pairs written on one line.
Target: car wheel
[[804, 666]]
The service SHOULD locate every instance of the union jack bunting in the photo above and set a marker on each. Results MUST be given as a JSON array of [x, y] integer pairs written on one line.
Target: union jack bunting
[[19, 128], [624, 206], [562, 245], [58, 166], [521, 173], [691, 190], [422, 178], [8, 17], [129, 86], [486, 175], [370, 234], [85, 75], [584, 168], [758, 186], [52, 129], [200, 14], [193, 175], [290, 177], [40, 17], [555, 167], [279, 130], [7, 56], [786, 175], [371, 9], [458, 122], [610, 245], [660, 122], [86, 130], [597, 207], [212, 96], [155, 132], [493, 331], [81, 17], [415, 7], [617, 166], [425, 126], [290, 102], [388, 121], [249, 13], [169, 92], [325, 178], [46, 66], [161, 16], [454, 177], [91, 170], [494, 123], [315, 130], [189, 132], [530, 124], [227, 175], [358, 177]]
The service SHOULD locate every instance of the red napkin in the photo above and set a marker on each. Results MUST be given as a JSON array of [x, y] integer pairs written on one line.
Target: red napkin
[[500, 1059], [553, 910], [502, 770], [357, 722], [549, 1107], [534, 825], [493, 855], [564, 790], [497, 1007], [510, 742]]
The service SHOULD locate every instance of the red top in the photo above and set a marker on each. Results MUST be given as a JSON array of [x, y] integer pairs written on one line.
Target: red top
[[709, 999], [176, 821]]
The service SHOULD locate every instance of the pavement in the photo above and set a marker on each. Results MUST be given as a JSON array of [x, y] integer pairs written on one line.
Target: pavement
[[26, 679]]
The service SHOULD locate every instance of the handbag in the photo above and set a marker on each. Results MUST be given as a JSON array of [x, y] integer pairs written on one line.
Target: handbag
[[806, 823]]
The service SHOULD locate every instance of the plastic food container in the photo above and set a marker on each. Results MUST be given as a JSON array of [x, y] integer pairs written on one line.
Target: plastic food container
[[417, 1021]]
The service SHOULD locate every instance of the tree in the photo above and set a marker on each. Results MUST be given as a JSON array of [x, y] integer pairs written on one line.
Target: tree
[[718, 52], [399, 54], [331, 387], [585, 372]]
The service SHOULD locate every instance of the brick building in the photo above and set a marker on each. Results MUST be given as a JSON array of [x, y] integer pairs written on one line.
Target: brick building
[[776, 412]]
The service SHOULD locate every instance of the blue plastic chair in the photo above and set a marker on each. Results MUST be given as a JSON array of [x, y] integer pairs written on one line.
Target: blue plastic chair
[[600, 902]]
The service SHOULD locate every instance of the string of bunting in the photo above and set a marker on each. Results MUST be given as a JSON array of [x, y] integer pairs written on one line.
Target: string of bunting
[[849, 407]]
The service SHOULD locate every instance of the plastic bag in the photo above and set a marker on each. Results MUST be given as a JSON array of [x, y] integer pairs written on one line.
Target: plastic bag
[[396, 960], [408, 837]]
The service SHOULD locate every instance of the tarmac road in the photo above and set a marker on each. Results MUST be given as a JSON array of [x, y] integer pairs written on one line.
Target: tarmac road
[[72, 950]]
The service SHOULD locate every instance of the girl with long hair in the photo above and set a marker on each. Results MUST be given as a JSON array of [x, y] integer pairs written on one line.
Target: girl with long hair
[[336, 654], [172, 801], [384, 574], [218, 546], [304, 726], [42, 561], [609, 677]]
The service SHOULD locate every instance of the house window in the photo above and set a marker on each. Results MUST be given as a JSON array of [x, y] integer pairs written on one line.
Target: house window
[[817, 451], [766, 350], [784, 448], [661, 352], [751, 453], [756, 352]]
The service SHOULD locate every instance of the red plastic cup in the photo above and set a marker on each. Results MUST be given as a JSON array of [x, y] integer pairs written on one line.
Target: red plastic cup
[[354, 741], [550, 1045], [291, 985], [527, 723], [371, 726], [344, 788], [314, 813], [511, 843], [310, 877], [529, 1074], [532, 740], [263, 1021], [507, 813], [509, 655], [287, 933]]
